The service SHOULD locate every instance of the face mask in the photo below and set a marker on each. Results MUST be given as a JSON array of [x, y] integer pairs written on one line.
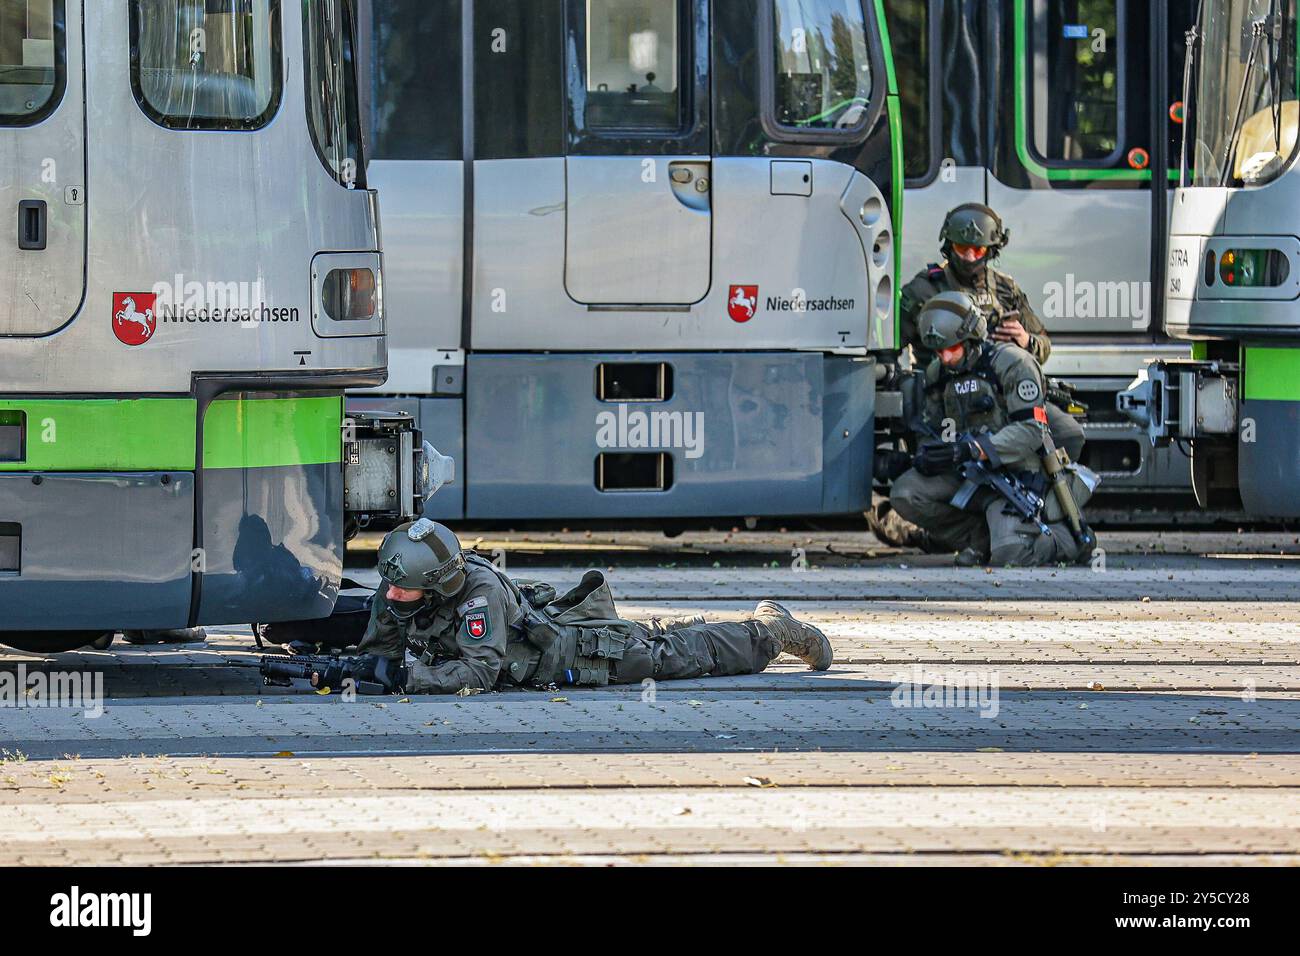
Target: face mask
[[405, 610], [968, 271]]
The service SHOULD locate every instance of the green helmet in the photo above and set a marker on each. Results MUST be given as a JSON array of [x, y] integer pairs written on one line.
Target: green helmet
[[950, 318], [423, 555], [974, 224]]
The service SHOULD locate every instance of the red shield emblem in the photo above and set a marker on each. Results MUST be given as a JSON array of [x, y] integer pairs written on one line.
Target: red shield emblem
[[476, 624], [134, 318], [742, 302]]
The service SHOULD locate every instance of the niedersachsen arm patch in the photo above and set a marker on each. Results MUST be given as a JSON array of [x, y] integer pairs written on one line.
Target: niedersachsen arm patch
[[476, 619]]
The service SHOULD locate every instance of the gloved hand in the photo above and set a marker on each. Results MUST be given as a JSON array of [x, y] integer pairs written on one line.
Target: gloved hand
[[364, 669], [890, 465], [941, 458]]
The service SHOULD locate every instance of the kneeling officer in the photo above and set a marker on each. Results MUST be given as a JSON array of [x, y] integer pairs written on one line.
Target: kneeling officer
[[446, 620], [990, 396]]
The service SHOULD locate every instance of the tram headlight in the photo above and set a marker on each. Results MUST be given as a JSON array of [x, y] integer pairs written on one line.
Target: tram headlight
[[1253, 268], [350, 294]]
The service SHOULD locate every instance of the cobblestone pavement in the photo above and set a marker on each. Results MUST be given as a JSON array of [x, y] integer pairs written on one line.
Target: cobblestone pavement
[[1147, 713]]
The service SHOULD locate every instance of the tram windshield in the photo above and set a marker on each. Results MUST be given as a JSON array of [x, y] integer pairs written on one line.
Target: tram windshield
[[207, 64], [29, 60], [823, 66], [1246, 109]]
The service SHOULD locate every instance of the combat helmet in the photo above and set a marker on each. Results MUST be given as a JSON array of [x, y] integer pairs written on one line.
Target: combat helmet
[[423, 555], [951, 318], [974, 224]]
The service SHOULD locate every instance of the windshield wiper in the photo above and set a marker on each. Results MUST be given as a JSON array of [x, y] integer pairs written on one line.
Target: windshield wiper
[[1267, 26], [1256, 38]]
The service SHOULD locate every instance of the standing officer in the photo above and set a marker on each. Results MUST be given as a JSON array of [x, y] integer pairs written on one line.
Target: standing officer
[[445, 620], [992, 395]]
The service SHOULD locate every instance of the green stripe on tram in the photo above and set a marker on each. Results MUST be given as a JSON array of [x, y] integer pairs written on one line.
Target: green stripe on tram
[[273, 432], [1271, 374], [145, 434], [893, 106], [158, 434]]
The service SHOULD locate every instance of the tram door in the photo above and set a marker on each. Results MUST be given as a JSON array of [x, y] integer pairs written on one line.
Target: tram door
[[943, 88], [42, 165], [1083, 164], [637, 168], [411, 89]]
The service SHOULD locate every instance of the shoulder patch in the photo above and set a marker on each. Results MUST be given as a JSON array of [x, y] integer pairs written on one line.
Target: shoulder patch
[[1028, 390], [476, 624], [471, 604]]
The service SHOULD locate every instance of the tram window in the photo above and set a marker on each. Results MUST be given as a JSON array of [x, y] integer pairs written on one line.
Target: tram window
[[909, 33], [333, 111], [31, 60], [416, 76], [633, 63], [207, 64], [1078, 82], [519, 80], [823, 64]]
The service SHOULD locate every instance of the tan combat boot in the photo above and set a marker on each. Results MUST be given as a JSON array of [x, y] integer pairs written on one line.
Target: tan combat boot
[[797, 638]]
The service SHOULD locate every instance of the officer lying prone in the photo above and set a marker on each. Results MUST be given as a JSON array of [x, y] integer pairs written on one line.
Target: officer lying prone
[[446, 620]]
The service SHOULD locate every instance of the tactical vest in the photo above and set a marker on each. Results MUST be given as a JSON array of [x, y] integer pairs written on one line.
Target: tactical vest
[[576, 639], [973, 397]]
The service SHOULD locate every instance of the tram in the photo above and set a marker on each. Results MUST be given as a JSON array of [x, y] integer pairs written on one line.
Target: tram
[[1232, 276], [1066, 117], [190, 278], [640, 255]]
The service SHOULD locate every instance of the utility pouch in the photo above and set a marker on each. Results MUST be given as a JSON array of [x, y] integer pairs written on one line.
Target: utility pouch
[[1077, 479], [522, 662], [543, 634], [594, 649]]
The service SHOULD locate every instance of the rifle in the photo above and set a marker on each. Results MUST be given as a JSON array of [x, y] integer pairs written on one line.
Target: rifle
[[370, 675], [1062, 394], [1023, 500]]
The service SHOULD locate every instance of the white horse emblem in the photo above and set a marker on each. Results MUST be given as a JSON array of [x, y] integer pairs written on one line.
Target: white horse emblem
[[129, 314], [742, 306]]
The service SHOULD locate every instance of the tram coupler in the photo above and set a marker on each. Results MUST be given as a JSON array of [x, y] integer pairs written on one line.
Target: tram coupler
[[1184, 399], [389, 470]]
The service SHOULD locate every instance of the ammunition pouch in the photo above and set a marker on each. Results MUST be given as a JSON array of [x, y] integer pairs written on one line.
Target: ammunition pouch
[[595, 649], [572, 639]]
